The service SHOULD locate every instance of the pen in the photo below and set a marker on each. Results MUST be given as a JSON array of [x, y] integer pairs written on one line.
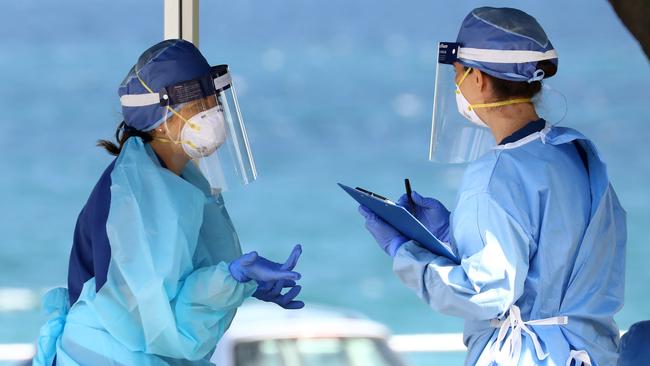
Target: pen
[[407, 184]]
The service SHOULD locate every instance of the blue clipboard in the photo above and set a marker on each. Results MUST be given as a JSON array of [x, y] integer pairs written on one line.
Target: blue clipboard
[[402, 220]]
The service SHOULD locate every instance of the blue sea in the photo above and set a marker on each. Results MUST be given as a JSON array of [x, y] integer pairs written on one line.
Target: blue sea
[[331, 91]]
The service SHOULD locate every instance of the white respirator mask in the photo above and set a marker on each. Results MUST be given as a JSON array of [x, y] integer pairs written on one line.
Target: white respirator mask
[[465, 109], [204, 133]]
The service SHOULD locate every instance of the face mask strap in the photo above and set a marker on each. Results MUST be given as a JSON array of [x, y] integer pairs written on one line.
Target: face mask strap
[[489, 105], [500, 104], [175, 142], [179, 142], [463, 78], [193, 126]]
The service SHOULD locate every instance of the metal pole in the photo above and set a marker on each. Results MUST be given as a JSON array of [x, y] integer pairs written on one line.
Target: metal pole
[[182, 20], [172, 19]]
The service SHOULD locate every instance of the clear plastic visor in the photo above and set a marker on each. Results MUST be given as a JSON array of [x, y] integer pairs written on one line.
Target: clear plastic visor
[[454, 139], [213, 136], [234, 159]]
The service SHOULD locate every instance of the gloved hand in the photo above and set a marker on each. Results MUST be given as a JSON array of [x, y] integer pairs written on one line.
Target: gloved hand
[[388, 238], [431, 213], [271, 291], [252, 266]]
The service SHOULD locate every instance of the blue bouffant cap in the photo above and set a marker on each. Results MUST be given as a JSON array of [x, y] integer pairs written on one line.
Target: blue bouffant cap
[[167, 63], [492, 34]]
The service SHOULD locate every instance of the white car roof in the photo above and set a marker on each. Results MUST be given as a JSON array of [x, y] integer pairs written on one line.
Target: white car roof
[[263, 321], [268, 321]]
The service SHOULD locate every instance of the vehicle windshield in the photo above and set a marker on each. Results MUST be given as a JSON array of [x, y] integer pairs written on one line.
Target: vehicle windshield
[[316, 352]]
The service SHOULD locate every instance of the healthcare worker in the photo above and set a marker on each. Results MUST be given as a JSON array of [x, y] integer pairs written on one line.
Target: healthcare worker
[[156, 271], [537, 229]]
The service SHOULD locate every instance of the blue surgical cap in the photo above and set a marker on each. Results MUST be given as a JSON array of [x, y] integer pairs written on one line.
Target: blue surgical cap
[[504, 29], [634, 348], [167, 63]]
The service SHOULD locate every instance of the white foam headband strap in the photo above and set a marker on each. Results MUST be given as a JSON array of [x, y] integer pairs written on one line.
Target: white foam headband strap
[[222, 81], [504, 56], [143, 100], [139, 100]]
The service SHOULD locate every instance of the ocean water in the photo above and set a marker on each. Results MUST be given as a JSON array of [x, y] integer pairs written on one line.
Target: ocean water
[[337, 91]]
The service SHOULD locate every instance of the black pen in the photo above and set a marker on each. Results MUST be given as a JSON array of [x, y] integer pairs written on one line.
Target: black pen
[[407, 184]]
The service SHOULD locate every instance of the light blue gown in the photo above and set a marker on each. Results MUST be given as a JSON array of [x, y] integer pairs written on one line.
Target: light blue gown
[[169, 295], [537, 235]]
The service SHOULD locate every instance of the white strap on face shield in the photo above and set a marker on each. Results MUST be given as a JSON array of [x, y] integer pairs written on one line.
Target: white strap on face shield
[[143, 100], [504, 56], [139, 100], [222, 81]]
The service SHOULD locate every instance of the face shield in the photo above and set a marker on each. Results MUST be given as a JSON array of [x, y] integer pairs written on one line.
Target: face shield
[[203, 117], [454, 137], [458, 134]]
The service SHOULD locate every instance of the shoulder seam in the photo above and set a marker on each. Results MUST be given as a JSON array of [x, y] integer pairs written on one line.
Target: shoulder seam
[[494, 166]]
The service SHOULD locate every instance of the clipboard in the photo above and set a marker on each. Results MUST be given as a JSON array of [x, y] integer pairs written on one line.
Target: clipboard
[[402, 220]]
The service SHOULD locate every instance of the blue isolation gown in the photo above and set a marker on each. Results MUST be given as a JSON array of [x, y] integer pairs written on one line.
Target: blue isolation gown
[[148, 280], [541, 237]]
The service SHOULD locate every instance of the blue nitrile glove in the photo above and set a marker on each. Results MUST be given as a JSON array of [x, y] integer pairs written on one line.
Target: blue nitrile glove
[[271, 291], [386, 236], [430, 212], [252, 266]]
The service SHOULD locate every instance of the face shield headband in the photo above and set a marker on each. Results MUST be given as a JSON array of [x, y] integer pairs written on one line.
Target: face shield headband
[[218, 80], [450, 52]]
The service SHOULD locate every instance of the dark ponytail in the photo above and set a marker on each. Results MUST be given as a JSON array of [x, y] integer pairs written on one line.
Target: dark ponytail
[[122, 134]]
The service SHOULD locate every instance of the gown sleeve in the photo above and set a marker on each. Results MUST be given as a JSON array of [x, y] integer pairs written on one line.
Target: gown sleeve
[[154, 300], [494, 250]]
